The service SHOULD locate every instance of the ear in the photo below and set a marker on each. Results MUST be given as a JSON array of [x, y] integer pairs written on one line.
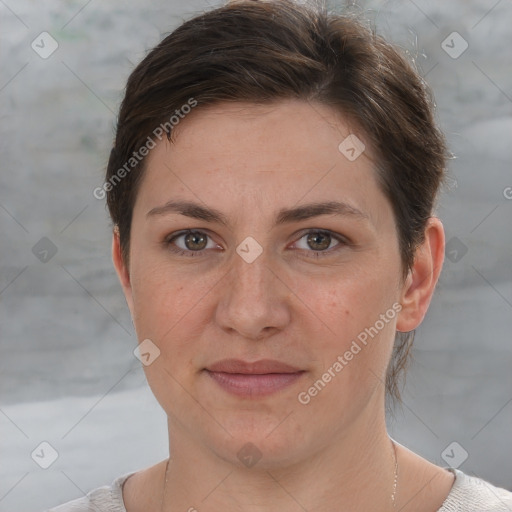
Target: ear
[[420, 284], [122, 270]]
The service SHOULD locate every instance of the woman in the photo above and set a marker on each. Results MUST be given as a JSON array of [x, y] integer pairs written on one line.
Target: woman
[[272, 187]]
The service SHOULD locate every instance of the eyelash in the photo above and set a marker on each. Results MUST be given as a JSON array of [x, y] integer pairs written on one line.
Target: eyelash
[[315, 254]]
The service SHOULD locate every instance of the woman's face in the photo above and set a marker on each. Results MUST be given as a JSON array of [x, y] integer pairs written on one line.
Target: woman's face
[[264, 283]]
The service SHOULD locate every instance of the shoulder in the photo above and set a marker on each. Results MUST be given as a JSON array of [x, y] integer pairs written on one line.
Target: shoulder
[[108, 498], [470, 493]]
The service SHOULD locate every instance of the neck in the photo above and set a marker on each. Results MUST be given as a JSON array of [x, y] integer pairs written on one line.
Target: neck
[[355, 471]]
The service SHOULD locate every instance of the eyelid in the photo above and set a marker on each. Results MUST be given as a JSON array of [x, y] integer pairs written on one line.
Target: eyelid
[[333, 234], [342, 242], [170, 238]]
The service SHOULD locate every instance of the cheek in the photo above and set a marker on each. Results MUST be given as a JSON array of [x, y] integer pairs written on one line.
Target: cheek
[[344, 307], [163, 297], [345, 321], [168, 311]]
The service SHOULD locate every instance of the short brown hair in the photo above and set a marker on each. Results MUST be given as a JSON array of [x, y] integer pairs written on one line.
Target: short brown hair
[[263, 51]]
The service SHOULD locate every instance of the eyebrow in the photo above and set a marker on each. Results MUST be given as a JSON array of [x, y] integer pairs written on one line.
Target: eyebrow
[[284, 216]]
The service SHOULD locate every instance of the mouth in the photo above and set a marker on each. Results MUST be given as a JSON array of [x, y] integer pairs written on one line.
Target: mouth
[[256, 379]]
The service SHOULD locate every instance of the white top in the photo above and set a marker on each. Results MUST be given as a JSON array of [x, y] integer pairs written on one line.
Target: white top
[[468, 494]]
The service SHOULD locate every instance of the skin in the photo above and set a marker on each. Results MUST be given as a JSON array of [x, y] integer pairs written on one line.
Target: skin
[[249, 161]]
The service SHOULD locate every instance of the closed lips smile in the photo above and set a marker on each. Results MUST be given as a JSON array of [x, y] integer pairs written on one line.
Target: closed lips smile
[[260, 378]]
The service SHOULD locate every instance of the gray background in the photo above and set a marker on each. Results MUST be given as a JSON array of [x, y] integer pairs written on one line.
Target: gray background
[[68, 374]]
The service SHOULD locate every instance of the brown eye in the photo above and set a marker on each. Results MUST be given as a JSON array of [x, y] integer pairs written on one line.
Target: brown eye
[[195, 240], [189, 243], [318, 241]]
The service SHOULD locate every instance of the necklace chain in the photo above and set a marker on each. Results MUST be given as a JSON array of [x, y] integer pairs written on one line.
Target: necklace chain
[[393, 494], [395, 481], [165, 485]]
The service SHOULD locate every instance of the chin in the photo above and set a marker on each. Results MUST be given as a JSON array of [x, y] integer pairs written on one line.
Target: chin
[[262, 443]]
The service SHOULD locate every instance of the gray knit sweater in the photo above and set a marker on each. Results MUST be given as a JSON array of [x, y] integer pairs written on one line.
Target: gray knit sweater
[[468, 494]]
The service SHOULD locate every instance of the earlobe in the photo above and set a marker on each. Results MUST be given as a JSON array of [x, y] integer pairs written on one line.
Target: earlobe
[[121, 268], [421, 281]]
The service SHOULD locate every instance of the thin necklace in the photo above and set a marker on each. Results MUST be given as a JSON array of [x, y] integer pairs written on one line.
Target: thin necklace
[[165, 486], [395, 481], [393, 494]]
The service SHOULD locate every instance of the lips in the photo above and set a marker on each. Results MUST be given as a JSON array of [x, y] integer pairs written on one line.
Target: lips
[[253, 380], [260, 367]]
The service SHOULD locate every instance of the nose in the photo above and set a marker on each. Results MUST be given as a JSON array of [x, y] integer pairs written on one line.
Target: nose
[[254, 299]]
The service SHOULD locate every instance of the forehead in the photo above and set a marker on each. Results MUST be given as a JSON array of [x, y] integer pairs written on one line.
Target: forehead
[[285, 151], [285, 125]]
